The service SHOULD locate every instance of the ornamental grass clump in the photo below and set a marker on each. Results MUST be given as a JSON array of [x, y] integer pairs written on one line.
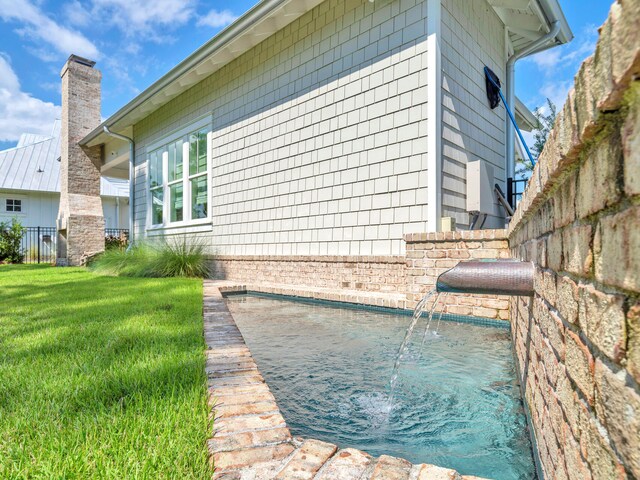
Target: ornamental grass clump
[[173, 258]]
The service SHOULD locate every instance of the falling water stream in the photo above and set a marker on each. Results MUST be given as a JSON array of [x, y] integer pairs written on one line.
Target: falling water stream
[[426, 330], [417, 313]]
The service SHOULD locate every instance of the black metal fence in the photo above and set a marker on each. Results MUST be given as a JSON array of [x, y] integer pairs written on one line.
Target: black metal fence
[[515, 189], [39, 243]]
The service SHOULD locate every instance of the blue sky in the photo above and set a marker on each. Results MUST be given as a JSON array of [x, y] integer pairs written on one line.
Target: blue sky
[[136, 41]]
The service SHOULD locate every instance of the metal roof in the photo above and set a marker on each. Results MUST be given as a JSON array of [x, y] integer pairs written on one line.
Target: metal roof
[[33, 166]]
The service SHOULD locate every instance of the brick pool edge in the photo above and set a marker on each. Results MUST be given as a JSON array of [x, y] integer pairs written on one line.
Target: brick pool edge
[[251, 438]]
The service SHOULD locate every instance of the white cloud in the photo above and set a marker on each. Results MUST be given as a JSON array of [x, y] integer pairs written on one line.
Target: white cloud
[[557, 67], [20, 112], [569, 55], [217, 19], [38, 26], [76, 14], [547, 58], [149, 17], [556, 91]]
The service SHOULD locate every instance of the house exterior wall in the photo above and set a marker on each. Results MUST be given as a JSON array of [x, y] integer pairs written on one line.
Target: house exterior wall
[[40, 209], [318, 135], [472, 36], [116, 212], [319, 143]]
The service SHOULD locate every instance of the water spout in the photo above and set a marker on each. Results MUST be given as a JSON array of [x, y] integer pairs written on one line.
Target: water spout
[[498, 277]]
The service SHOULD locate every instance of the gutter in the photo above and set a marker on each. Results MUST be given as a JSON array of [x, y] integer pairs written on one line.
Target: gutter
[[132, 196], [531, 48], [218, 42]]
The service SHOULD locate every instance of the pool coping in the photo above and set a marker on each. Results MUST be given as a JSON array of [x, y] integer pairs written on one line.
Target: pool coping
[[250, 438]]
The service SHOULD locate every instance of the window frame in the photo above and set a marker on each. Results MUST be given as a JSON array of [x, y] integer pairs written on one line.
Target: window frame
[[163, 146], [13, 198], [17, 202]]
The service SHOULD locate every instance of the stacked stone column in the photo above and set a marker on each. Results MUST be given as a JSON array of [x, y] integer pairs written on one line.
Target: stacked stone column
[[80, 216]]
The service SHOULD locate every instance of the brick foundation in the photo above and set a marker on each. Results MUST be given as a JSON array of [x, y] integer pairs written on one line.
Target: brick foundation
[[362, 273], [578, 340], [390, 281]]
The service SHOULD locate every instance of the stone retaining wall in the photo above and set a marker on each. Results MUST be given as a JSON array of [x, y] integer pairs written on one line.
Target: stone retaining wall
[[578, 340], [392, 281]]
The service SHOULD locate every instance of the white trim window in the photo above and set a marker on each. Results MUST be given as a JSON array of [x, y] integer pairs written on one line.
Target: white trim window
[[13, 205], [179, 180]]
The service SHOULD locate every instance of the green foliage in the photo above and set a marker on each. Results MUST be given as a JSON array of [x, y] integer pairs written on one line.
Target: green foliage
[[540, 134], [116, 241], [173, 258], [10, 237], [101, 377]]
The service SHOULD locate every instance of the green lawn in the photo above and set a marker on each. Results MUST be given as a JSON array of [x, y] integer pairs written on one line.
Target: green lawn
[[100, 377]]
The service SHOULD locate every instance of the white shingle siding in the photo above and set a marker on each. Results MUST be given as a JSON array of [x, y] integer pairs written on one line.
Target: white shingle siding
[[319, 140], [318, 134], [472, 37]]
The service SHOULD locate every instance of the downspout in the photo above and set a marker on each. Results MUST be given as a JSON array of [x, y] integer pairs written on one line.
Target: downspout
[[132, 198], [511, 91], [117, 212]]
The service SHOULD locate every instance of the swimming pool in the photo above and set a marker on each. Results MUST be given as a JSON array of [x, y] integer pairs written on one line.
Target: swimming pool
[[457, 402]]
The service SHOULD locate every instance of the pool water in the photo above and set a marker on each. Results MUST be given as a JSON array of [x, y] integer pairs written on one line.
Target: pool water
[[457, 402]]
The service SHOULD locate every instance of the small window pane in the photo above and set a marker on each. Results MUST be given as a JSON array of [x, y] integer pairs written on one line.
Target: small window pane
[[176, 195], [193, 154], [175, 161], [199, 197], [202, 151], [155, 168], [157, 203], [198, 152]]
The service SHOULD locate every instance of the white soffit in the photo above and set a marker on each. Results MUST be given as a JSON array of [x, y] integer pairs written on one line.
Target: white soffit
[[528, 20], [263, 20], [525, 119]]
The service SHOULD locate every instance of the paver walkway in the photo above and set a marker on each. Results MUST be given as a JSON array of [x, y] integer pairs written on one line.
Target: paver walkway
[[251, 440]]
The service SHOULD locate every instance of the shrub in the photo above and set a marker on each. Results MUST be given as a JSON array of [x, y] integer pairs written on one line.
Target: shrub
[[10, 238], [174, 258]]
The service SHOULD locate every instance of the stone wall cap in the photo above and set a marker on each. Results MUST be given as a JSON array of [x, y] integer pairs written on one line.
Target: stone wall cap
[[494, 234], [313, 258]]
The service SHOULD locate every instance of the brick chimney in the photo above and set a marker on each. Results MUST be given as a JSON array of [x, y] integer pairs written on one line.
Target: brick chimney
[[80, 218]]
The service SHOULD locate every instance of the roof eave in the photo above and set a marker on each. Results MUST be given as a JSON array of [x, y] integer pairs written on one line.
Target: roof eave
[[552, 12], [528, 120], [216, 43]]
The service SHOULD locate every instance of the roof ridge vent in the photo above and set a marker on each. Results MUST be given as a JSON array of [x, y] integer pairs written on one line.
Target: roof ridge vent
[[81, 60]]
